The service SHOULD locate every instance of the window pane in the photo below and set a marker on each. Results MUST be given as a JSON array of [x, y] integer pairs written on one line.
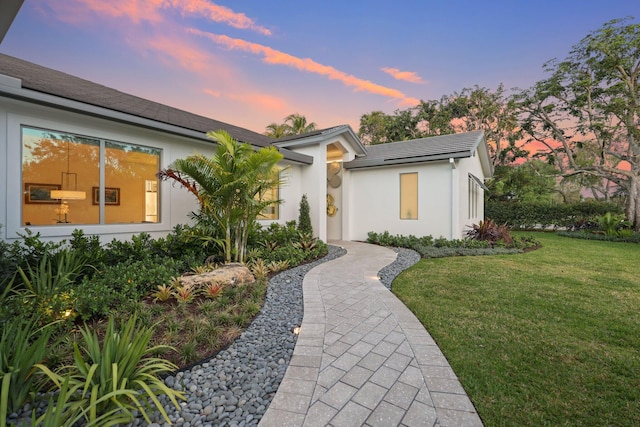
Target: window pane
[[63, 163], [271, 211], [409, 196], [131, 190]]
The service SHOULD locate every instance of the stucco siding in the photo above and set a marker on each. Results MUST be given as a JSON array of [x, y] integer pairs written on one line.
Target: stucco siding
[[375, 201]]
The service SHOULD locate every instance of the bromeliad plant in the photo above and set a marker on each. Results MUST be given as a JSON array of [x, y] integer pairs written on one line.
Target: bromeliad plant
[[117, 376]]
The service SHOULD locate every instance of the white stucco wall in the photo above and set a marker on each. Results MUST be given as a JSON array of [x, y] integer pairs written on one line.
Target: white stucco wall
[[175, 202], [374, 201], [466, 166]]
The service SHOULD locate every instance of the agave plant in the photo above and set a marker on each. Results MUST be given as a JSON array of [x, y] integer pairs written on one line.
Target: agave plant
[[115, 377]]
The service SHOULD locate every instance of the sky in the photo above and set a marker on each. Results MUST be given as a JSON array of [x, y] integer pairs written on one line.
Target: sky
[[252, 63]]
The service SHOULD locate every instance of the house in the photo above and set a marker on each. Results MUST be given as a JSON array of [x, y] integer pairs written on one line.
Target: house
[[76, 154]]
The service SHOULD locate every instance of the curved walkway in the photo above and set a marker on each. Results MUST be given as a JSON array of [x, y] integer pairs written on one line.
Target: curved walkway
[[362, 358]]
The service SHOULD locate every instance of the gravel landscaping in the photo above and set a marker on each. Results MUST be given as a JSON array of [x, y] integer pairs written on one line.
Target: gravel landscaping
[[235, 387]]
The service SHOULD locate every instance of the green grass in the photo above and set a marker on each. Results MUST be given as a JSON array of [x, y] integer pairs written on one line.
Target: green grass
[[550, 337]]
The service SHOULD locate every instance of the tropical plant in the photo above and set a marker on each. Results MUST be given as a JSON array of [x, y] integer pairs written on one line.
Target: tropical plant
[[23, 345], [163, 293], [184, 294], [46, 287], [304, 218], [117, 376], [277, 130], [230, 187], [306, 242], [259, 269], [213, 290], [488, 230], [294, 124]]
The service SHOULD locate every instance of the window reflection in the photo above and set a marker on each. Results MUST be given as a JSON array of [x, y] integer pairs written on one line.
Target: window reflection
[[58, 167]]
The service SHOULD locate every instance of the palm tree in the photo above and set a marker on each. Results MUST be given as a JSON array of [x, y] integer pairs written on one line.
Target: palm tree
[[297, 124], [294, 124], [275, 130], [230, 187]]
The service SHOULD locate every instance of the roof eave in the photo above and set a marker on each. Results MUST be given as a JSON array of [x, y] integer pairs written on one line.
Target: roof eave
[[360, 164], [48, 100], [303, 141]]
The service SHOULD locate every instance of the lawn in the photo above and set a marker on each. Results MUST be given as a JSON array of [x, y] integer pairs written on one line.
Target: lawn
[[549, 337]]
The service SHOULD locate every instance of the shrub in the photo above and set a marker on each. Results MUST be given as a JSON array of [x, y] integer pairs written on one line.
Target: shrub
[[23, 345], [529, 215], [491, 232], [47, 290], [117, 376], [427, 247], [304, 218]]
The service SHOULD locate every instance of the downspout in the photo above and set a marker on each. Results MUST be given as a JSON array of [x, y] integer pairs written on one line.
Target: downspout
[[452, 162]]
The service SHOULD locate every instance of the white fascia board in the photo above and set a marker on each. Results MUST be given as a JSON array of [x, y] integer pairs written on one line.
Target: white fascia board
[[40, 98]]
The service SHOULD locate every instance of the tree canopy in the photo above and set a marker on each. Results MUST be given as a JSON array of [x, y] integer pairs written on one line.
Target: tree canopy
[[585, 116], [471, 109]]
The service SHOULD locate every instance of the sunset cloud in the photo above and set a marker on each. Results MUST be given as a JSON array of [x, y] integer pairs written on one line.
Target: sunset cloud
[[152, 11], [219, 14], [407, 76], [273, 56]]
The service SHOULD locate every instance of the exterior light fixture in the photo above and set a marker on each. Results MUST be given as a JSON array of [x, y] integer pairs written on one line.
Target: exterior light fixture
[[66, 192]]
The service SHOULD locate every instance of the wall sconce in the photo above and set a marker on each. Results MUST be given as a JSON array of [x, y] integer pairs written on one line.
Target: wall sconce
[[66, 193]]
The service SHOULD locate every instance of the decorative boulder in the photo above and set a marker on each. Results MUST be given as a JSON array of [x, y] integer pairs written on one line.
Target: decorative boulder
[[227, 275]]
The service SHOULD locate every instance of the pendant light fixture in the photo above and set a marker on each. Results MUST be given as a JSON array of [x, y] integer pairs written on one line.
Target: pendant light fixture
[[66, 192]]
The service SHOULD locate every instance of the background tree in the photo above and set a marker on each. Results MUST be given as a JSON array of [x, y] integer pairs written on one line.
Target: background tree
[[532, 181], [294, 124], [230, 187], [471, 109], [586, 115]]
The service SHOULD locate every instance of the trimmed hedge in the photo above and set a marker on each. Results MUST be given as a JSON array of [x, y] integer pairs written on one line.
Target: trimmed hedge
[[531, 215]]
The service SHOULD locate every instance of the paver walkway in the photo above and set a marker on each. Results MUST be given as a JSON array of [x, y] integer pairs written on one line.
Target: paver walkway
[[362, 358]]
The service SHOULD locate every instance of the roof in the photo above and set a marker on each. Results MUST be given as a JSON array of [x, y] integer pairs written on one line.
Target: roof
[[322, 135], [36, 79], [434, 148]]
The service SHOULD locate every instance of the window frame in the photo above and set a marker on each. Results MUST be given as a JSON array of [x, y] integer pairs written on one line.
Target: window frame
[[89, 128]]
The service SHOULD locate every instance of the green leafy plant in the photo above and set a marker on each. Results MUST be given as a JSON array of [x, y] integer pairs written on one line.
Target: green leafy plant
[[117, 376], [259, 269], [304, 217], [23, 346], [163, 293], [306, 242], [46, 287], [184, 294]]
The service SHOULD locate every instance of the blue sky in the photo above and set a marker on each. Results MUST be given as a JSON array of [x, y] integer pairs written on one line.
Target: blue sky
[[251, 63]]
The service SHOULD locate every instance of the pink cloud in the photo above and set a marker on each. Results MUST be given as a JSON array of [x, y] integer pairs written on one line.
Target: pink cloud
[[219, 14], [273, 56], [77, 11], [407, 76]]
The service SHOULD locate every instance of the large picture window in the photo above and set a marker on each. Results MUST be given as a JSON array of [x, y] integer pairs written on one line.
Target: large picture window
[[61, 180], [409, 195]]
